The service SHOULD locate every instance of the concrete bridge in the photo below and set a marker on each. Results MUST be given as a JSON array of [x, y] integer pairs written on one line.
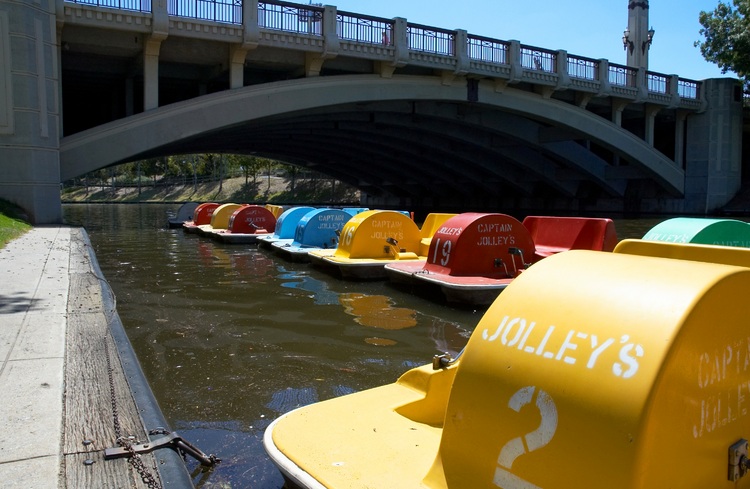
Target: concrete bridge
[[415, 116]]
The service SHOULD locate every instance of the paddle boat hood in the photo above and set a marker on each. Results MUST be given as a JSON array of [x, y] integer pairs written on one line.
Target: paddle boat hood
[[183, 215], [318, 229], [374, 238], [286, 225], [219, 219], [201, 216], [727, 232], [247, 224], [633, 375]]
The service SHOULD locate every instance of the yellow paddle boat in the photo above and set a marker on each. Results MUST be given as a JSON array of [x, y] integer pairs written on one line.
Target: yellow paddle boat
[[374, 238], [590, 370]]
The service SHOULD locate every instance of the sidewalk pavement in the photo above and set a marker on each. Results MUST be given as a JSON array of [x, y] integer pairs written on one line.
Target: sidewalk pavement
[[34, 281]]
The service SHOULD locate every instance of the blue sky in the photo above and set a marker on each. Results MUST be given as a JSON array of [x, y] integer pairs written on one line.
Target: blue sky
[[590, 28]]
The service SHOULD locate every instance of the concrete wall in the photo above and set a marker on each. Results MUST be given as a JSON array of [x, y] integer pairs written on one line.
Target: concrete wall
[[30, 108], [713, 156]]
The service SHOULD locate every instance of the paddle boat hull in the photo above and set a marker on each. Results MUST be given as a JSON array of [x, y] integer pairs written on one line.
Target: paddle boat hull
[[640, 360]]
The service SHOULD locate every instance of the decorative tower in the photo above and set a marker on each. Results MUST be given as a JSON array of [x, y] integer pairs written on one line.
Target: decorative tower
[[637, 37]]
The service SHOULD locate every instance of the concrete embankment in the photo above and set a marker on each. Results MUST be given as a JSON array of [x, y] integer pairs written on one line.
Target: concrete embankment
[[71, 384]]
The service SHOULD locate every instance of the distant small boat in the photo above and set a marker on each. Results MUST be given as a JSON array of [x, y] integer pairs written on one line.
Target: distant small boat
[[586, 357], [317, 229], [372, 239], [201, 216], [183, 214], [474, 256]]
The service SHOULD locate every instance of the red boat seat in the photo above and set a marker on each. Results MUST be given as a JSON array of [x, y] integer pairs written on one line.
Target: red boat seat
[[553, 234]]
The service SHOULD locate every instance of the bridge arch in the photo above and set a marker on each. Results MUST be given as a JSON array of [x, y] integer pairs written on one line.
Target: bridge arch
[[406, 136]]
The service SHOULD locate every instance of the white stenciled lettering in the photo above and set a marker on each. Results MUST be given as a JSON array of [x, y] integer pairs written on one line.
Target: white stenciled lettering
[[628, 356], [570, 346], [597, 350]]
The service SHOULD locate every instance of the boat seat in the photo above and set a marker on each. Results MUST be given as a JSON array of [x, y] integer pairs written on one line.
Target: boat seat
[[552, 234]]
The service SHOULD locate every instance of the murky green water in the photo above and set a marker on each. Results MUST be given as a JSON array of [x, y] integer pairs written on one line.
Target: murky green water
[[230, 336]]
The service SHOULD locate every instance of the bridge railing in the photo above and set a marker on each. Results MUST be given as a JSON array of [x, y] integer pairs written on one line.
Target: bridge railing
[[225, 11], [433, 40], [622, 76], [308, 20], [538, 59], [583, 68], [488, 50], [364, 29], [290, 17]]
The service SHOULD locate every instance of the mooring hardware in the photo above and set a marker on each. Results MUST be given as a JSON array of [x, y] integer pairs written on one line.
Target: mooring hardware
[[171, 440]]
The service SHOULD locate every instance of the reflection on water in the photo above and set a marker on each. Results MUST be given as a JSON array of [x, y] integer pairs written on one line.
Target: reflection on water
[[230, 336]]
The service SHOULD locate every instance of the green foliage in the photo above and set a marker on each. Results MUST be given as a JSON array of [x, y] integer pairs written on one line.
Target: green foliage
[[727, 38], [12, 222]]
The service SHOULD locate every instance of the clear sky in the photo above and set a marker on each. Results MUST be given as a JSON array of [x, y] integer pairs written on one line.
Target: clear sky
[[590, 28]]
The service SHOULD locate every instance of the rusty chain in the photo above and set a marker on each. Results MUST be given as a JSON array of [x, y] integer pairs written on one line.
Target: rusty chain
[[127, 442]]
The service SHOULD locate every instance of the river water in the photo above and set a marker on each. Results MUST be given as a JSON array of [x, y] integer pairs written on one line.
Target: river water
[[232, 336]]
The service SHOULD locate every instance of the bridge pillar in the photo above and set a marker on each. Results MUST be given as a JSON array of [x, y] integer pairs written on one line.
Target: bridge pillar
[[29, 109], [714, 148]]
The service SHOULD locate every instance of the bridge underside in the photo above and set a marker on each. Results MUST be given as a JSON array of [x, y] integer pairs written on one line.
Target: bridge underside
[[415, 141]]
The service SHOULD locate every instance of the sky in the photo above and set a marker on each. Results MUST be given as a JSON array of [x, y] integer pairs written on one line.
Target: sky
[[588, 28]]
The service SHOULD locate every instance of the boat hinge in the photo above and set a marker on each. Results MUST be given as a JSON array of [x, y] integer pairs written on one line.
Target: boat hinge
[[738, 460]]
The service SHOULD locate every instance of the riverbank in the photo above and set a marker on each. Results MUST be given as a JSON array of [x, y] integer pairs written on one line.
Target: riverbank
[[266, 189], [71, 384]]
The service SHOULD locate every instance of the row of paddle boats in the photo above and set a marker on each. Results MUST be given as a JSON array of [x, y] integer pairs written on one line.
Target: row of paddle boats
[[471, 257], [628, 369]]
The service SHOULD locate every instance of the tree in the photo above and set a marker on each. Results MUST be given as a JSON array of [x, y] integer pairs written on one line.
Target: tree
[[727, 38]]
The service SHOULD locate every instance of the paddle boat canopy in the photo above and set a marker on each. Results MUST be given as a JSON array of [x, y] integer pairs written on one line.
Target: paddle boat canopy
[[201, 216], [726, 232], [247, 224], [183, 215], [374, 238], [286, 225], [318, 229], [634, 374], [219, 219], [472, 257]]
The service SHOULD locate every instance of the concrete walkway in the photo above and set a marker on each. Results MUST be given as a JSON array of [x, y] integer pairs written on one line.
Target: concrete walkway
[[34, 283]]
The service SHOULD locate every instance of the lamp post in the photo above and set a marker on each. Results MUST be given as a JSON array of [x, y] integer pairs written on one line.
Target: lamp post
[[637, 37]]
